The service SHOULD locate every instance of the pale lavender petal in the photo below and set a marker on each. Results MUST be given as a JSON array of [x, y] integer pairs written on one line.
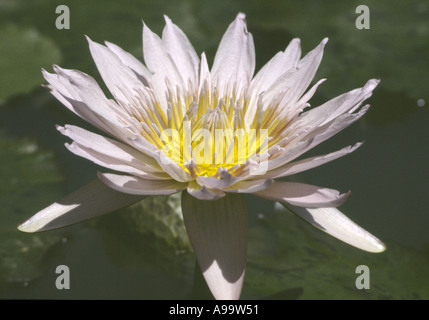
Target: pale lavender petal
[[143, 74], [270, 72], [235, 58], [205, 81], [114, 150], [172, 168], [313, 137], [218, 233], [329, 129], [139, 186], [250, 186], [182, 52], [93, 199], [166, 75], [121, 81], [335, 223], [113, 163], [204, 193], [296, 81], [309, 163], [224, 180], [277, 66], [285, 156], [303, 195], [81, 94], [345, 103]]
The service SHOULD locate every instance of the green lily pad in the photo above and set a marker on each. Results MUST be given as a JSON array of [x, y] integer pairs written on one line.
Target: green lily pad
[[289, 259], [24, 51], [29, 179]]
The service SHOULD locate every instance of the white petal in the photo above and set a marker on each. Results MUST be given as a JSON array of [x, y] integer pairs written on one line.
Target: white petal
[[162, 66], [81, 94], [139, 186], [286, 156], [303, 195], [345, 103], [288, 111], [112, 150], [205, 81], [329, 129], [132, 62], [115, 164], [309, 163], [218, 233], [170, 167], [250, 186], [314, 137], [335, 223], [224, 181], [204, 193], [278, 65], [91, 200], [295, 82], [309, 94], [181, 51], [235, 58], [120, 80], [270, 72]]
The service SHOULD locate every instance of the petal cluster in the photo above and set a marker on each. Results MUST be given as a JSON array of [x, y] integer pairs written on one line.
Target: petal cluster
[[174, 124]]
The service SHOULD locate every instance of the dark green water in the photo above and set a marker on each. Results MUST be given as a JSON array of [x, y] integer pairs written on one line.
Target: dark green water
[[142, 252]]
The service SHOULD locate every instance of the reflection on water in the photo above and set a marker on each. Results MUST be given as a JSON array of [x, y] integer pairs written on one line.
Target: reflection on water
[[142, 252]]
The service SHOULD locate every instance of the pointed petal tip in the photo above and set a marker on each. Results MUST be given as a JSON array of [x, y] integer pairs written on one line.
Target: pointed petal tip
[[93, 44], [60, 128], [379, 247], [89, 201], [241, 16], [109, 44], [88, 39], [335, 223], [26, 227], [374, 246], [145, 27], [371, 84], [46, 74], [59, 70], [70, 146], [167, 20], [357, 145]]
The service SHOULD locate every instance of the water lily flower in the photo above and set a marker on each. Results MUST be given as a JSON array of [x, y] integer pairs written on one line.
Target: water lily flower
[[175, 125]]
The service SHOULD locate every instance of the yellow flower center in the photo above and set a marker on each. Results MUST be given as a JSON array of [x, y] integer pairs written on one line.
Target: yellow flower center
[[205, 132]]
